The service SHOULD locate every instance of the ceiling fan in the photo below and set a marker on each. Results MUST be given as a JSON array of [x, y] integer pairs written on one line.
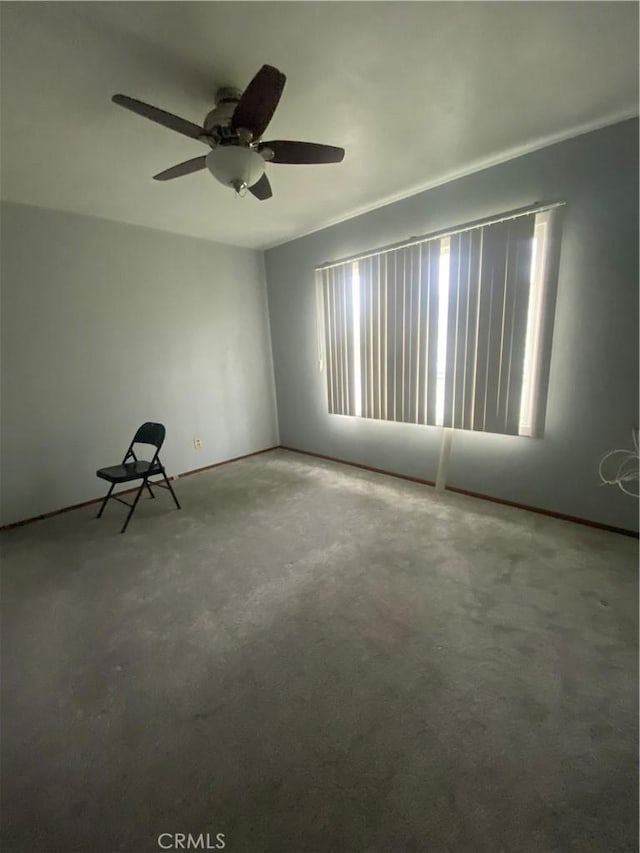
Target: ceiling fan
[[233, 130]]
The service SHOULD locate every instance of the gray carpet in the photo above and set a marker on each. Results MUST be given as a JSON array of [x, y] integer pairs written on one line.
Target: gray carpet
[[309, 657]]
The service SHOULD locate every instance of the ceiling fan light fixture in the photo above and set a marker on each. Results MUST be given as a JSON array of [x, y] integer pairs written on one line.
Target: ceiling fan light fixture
[[235, 166]]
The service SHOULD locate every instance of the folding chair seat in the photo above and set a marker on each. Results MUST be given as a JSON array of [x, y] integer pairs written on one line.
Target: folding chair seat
[[138, 469], [128, 471]]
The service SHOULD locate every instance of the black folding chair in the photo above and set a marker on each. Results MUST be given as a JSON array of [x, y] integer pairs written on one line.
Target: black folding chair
[[137, 469]]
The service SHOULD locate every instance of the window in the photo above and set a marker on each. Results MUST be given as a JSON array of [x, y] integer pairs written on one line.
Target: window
[[452, 330]]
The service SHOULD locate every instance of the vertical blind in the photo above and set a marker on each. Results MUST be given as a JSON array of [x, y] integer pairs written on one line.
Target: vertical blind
[[398, 293], [339, 338], [396, 329], [489, 283], [391, 356]]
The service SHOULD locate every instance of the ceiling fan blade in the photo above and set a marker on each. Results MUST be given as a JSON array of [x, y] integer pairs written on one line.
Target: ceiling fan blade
[[259, 101], [262, 189], [286, 151], [166, 119], [182, 169]]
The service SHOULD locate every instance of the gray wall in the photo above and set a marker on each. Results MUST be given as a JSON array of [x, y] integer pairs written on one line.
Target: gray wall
[[105, 326], [593, 393]]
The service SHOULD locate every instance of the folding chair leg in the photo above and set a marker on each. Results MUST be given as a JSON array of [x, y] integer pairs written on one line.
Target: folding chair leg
[[104, 502], [173, 494], [133, 506], [149, 489]]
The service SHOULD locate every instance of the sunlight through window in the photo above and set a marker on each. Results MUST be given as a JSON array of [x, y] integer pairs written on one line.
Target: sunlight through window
[[534, 324]]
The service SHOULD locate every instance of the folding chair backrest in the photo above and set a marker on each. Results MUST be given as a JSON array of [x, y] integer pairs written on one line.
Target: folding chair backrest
[[150, 433]]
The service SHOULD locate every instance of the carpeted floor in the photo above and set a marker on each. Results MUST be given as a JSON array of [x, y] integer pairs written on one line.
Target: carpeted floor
[[310, 657]]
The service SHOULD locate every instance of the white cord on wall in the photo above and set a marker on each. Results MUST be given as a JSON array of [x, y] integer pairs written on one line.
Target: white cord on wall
[[627, 470]]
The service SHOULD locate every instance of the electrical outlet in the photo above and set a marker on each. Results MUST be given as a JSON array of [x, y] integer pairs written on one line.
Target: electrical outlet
[[197, 443]]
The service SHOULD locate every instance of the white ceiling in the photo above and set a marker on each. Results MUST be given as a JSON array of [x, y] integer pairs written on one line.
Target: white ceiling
[[416, 92]]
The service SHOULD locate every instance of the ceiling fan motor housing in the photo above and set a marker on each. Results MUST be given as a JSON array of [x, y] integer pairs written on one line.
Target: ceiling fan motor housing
[[226, 101]]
